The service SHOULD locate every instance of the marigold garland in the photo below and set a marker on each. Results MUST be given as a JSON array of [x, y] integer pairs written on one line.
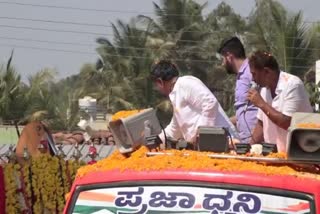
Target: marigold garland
[[12, 202], [124, 114], [41, 183], [308, 125], [179, 160]]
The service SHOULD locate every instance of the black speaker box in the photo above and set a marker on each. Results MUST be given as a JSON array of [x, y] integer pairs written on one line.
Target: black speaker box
[[212, 139]]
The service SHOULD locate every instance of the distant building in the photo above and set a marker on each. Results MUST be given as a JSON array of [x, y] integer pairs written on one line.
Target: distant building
[[89, 106]]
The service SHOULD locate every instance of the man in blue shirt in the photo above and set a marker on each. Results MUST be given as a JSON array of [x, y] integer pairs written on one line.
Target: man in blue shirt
[[235, 62]]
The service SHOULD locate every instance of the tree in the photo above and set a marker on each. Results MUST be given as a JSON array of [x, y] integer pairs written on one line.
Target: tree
[[39, 94], [176, 34], [12, 96], [284, 34]]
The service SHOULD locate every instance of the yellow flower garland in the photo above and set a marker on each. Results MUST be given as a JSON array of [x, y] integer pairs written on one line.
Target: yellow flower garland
[[48, 185], [12, 202]]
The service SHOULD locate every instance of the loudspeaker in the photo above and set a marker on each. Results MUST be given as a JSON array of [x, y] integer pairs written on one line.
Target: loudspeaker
[[131, 132], [212, 139], [304, 137]]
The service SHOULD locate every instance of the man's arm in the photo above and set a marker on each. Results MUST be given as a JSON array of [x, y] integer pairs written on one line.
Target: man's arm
[[281, 120], [278, 118], [233, 120], [257, 135], [172, 130], [201, 98]]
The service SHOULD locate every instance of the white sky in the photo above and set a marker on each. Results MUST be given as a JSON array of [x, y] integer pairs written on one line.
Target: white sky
[[31, 56]]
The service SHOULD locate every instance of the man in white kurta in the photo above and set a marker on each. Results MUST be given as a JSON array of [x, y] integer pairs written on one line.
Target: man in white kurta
[[282, 95], [290, 97], [193, 104]]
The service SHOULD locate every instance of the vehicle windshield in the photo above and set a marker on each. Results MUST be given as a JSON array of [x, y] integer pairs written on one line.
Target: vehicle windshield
[[189, 199]]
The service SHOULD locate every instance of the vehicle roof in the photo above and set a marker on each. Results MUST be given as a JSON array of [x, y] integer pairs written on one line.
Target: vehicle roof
[[305, 184]]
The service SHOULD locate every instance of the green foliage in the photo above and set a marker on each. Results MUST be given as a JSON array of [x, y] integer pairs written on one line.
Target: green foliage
[[178, 31], [314, 93]]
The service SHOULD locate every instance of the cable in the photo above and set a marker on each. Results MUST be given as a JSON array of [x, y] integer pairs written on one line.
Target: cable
[[56, 22], [110, 26], [250, 131], [80, 9], [138, 36], [49, 49], [46, 41], [110, 11], [230, 136], [56, 31], [165, 136], [126, 47], [83, 52], [117, 55]]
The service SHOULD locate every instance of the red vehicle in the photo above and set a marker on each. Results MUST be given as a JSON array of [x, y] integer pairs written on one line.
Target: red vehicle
[[196, 191], [246, 185]]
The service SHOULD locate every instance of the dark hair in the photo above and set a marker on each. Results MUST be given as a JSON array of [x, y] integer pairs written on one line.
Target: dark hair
[[234, 46], [164, 70], [262, 59]]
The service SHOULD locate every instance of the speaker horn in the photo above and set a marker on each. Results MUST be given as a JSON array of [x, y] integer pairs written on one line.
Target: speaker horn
[[304, 137]]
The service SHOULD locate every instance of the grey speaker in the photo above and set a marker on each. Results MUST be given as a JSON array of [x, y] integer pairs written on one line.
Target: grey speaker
[[136, 130], [304, 142], [212, 139]]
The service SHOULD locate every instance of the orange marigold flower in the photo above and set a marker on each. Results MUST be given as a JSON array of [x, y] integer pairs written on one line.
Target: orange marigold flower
[[124, 114], [308, 125], [185, 160]]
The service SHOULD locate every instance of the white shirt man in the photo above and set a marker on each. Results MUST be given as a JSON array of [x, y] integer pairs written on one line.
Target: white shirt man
[[290, 97], [194, 105]]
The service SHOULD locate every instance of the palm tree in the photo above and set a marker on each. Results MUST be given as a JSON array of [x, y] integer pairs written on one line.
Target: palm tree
[[39, 93], [66, 114], [176, 34], [284, 34], [12, 96], [126, 64], [221, 23]]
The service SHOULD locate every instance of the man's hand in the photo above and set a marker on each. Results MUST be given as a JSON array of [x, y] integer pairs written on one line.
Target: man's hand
[[257, 135], [275, 116], [233, 120], [255, 98], [233, 142]]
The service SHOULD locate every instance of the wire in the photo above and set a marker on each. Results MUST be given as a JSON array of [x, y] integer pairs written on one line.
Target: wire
[[165, 136], [56, 31], [137, 36], [110, 11], [49, 49], [117, 55], [127, 47], [56, 22], [230, 136], [250, 131], [46, 41], [214, 32], [110, 26], [81, 9]]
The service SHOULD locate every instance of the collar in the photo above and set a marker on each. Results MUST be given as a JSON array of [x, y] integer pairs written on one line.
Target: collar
[[282, 82], [175, 87], [243, 67]]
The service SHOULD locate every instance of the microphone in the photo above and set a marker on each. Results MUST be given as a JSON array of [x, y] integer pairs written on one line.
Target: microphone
[[253, 85]]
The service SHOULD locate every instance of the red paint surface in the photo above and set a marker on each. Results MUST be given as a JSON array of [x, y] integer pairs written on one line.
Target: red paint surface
[[292, 183]]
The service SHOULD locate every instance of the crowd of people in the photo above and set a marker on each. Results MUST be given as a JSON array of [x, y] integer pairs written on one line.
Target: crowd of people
[[265, 98]]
